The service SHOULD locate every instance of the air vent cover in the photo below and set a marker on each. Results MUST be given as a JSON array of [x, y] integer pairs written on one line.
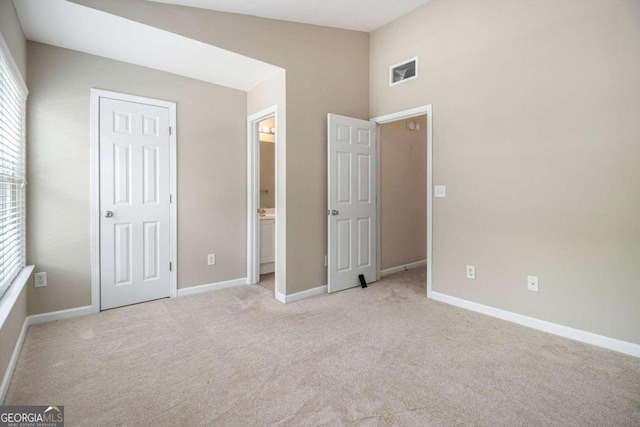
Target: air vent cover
[[405, 71]]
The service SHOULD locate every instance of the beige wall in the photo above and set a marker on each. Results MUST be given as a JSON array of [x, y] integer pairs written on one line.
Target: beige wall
[[326, 71], [267, 174], [403, 193], [211, 171], [536, 136], [13, 35]]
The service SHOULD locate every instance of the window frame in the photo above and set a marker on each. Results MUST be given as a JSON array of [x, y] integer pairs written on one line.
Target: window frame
[[19, 92]]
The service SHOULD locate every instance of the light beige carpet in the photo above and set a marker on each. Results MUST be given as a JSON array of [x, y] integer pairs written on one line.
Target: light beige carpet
[[268, 281], [385, 355]]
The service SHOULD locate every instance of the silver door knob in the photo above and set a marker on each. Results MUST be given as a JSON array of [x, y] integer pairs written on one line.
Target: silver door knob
[[334, 212], [108, 214]]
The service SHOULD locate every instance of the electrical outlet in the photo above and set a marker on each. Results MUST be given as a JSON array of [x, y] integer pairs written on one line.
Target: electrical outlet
[[471, 272], [532, 283], [41, 280], [211, 259]]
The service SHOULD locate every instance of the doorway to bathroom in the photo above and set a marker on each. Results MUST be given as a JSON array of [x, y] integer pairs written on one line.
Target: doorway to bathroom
[[262, 199]]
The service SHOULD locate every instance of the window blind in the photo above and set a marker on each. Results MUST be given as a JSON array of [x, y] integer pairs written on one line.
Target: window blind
[[12, 175]]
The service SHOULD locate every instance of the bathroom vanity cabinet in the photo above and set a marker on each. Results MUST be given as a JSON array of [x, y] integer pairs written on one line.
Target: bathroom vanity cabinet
[[267, 245]]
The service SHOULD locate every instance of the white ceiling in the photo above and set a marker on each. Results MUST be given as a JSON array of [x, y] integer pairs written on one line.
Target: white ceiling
[[360, 15], [72, 26]]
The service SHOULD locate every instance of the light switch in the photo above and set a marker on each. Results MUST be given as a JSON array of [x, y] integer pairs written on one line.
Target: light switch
[[440, 191]]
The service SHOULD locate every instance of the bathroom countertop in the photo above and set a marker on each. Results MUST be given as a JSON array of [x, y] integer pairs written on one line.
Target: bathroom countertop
[[269, 214]]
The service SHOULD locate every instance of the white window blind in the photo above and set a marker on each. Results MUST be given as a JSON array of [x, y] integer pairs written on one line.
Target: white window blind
[[12, 174]]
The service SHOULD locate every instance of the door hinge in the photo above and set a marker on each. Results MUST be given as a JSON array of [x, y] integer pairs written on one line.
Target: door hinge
[[169, 266], [170, 198], [170, 130]]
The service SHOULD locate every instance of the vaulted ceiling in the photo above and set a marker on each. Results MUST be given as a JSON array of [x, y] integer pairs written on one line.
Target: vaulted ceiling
[[360, 15], [72, 26]]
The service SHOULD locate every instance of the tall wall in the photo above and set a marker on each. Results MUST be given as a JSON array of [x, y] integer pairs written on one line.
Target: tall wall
[[536, 136], [211, 130], [403, 193], [326, 72]]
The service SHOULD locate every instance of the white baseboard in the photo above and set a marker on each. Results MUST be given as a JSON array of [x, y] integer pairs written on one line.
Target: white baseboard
[[542, 325], [404, 267], [36, 319], [4, 387], [298, 296], [211, 287], [267, 268]]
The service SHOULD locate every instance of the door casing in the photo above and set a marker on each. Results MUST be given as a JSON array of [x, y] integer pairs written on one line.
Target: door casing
[[403, 115], [253, 196], [96, 94]]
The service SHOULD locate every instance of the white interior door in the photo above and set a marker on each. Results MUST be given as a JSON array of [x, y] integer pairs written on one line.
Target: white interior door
[[352, 213], [134, 202]]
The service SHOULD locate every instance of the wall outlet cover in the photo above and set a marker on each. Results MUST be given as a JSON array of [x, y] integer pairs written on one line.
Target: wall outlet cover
[[211, 259], [532, 283], [40, 280], [471, 272], [440, 191]]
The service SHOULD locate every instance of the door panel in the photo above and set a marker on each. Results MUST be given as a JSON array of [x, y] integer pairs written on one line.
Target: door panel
[[134, 203], [122, 261], [364, 178], [352, 206], [343, 177], [364, 242], [344, 244], [151, 250], [150, 175]]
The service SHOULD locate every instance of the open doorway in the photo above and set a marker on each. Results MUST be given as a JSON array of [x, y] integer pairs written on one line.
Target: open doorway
[[267, 213], [405, 181], [262, 200], [403, 195]]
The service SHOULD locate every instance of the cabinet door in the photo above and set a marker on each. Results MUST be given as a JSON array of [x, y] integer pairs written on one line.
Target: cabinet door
[[267, 241]]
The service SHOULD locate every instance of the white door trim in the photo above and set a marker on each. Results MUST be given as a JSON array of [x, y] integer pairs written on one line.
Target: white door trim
[[401, 115], [253, 193], [96, 94]]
